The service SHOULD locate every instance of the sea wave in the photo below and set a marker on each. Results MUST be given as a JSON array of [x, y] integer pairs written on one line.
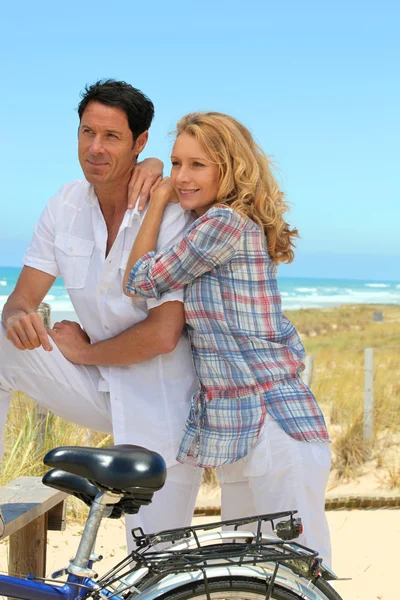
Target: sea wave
[[355, 297], [296, 292]]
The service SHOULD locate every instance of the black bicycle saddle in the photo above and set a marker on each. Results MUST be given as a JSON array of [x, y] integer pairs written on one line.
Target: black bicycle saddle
[[120, 469]]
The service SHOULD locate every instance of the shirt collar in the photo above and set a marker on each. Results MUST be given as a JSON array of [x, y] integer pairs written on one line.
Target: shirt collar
[[91, 197]]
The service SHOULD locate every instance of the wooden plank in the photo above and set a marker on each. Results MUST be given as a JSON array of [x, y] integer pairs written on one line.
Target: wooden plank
[[27, 549], [24, 500]]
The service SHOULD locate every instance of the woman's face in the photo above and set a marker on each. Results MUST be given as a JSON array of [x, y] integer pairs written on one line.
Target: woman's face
[[193, 175]]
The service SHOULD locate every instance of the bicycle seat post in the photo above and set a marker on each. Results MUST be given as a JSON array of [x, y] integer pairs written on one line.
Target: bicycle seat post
[[79, 565]]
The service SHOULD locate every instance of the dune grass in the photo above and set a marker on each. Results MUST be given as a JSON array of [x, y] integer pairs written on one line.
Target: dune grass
[[337, 338], [27, 439]]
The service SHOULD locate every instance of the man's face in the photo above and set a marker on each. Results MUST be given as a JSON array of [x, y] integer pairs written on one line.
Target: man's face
[[106, 150]]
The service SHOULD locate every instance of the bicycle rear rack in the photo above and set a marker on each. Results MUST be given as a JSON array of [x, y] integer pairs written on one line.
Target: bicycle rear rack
[[248, 548]]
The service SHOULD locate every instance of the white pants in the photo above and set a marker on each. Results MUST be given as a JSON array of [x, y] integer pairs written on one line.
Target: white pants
[[279, 473]]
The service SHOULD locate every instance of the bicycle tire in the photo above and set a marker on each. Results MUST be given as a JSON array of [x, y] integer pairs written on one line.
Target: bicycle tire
[[235, 588], [326, 588]]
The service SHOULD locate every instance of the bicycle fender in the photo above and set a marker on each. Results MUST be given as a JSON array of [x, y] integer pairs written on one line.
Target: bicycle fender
[[288, 580]]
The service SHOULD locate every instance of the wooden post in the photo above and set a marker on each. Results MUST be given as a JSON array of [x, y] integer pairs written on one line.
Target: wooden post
[[44, 313], [377, 316], [30, 509], [41, 413], [308, 371], [368, 430], [27, 548]]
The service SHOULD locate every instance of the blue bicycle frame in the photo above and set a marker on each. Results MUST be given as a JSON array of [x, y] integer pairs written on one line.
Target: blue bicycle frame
[[31, 589]]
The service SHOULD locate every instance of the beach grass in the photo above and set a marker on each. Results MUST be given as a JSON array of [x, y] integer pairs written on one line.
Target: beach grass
[[27, 438], [336, 337]]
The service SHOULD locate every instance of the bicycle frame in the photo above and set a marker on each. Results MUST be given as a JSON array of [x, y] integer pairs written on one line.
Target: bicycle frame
[[30, 589]]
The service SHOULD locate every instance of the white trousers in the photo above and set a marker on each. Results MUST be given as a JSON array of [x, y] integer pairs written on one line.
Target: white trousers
[[280, 473]]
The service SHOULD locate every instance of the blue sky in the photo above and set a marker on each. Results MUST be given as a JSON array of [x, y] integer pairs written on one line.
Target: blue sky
[[317, 84]]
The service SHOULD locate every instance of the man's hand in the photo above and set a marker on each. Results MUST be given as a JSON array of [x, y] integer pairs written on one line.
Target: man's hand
[[145, 178], [70, 339], [26, 331]]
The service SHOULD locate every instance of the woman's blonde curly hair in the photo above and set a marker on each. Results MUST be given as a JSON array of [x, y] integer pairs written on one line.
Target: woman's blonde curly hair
[[246, 183]]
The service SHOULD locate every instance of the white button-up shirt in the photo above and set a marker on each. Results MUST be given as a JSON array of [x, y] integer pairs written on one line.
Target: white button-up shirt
[[150, 401]]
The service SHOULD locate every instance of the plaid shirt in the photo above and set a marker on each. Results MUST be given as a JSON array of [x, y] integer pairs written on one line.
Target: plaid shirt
[[247, 354]]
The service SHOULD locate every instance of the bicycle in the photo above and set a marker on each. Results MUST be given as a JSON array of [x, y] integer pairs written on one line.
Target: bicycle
[[199, 563]]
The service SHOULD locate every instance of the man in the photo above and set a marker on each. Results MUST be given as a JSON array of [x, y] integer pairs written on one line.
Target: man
[[129, 370]]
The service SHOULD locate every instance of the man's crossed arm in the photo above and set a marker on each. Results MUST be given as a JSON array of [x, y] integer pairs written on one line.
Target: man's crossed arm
[[157, 334]]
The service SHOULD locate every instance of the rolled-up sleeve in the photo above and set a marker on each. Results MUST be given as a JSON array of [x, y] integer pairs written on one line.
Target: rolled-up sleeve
[[41, 252], [210, 242], [174, 226]]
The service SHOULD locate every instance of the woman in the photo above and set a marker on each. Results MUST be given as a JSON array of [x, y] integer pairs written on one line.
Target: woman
[[253, 418]]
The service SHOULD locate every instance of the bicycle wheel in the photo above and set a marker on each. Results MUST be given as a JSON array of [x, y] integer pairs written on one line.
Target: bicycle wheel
[[327, 589], [241, 589]]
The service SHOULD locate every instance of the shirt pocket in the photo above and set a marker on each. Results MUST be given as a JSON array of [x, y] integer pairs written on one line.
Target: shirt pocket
[[73, 258]]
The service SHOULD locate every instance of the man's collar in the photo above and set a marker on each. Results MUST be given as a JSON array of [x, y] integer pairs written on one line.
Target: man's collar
[[91, 197]]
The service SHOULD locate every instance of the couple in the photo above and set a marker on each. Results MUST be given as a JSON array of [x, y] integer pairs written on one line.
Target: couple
[[129, 370]]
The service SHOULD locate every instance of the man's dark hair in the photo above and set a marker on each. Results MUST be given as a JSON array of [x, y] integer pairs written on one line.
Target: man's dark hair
[[137, 107]]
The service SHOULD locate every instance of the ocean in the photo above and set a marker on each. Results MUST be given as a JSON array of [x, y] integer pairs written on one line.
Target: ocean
[[297, 292]]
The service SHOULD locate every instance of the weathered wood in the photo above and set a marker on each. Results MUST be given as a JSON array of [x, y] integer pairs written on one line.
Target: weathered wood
[[44, 311], [24, 500], [368, 430], [308, 371], [377, 316], [30, 509], [27, 549]]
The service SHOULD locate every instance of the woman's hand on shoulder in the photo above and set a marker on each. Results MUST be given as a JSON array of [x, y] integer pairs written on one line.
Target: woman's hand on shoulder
[[164, 193]]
